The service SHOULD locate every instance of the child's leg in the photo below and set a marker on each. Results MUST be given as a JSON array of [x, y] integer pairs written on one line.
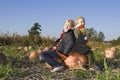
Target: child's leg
[[91, 61], [49, 56]]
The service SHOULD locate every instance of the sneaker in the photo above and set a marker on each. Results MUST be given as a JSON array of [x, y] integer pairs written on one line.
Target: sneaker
[[91, 69], [56, 69], [94, 68]]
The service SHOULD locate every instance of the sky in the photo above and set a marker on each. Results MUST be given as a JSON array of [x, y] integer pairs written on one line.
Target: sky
[[20, 15]]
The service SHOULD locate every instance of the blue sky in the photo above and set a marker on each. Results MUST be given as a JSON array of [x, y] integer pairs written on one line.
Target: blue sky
[[20, 15]]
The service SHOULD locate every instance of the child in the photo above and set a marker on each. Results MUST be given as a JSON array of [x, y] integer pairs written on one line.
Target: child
[[82, 40], [64, 47], [80, 25]]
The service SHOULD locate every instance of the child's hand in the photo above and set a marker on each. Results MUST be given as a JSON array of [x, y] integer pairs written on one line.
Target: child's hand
[[54, 47]]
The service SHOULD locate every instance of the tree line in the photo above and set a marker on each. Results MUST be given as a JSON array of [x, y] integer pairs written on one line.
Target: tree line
[[34, 37]]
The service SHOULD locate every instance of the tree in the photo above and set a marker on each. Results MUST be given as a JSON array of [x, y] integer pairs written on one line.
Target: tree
[[34, 33], [94, 36], [101, 36], [91, 33], [116, 42]]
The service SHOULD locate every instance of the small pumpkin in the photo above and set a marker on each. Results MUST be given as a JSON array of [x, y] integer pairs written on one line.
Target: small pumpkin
[[110, 53], [48, 66], [25, 49], [113, 49], [39, 51], [34, 55]]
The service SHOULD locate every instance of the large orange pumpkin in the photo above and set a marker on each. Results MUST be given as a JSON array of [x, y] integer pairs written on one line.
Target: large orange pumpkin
[[75, 60]]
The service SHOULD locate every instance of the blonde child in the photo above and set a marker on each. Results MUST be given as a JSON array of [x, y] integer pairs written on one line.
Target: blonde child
[[80, 25], [64, 47], [82, 40]]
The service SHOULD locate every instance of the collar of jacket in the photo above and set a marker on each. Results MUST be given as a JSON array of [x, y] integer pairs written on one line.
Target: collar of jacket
[[69, 31]]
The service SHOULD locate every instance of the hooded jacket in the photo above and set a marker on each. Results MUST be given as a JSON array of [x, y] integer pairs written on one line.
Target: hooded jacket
[[67, 43], [80, 44]]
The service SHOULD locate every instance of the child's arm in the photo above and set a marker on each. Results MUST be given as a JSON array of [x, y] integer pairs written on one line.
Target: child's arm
[[70, 44]]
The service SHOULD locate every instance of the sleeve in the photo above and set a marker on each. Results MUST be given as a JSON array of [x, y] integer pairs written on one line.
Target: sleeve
[[56, 42], [69, 43]]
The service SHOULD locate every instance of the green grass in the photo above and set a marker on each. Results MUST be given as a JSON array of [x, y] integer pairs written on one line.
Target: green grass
[[14, 55]]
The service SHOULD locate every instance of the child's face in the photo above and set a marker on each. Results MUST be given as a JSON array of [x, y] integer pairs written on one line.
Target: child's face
[[81, 21], [66, 26]]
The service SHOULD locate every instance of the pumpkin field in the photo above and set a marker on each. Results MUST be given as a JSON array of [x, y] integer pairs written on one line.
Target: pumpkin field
[[20, 58], [23, 63]]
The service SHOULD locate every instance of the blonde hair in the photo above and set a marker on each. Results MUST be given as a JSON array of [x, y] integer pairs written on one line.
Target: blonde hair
[[70, 23], [79, 18]]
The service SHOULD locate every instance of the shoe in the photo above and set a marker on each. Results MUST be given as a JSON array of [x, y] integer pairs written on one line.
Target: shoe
[[97, 67], [56, 69], [94, 68], [91, 69]]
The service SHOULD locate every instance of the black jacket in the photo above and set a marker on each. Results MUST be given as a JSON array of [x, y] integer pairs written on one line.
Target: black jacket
[[80, 45], [66, 43]]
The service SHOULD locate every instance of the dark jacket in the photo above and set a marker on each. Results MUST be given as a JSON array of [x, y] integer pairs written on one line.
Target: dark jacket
[[66, 43], [80, 45]]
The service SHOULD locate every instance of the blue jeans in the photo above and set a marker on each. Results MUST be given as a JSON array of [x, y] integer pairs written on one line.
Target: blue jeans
[[49, 56]]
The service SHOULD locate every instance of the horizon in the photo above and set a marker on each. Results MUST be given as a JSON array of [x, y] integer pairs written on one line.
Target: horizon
[[20, 16]]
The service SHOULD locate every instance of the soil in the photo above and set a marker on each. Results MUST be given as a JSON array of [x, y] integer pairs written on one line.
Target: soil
[[25, 69], [36, 70]]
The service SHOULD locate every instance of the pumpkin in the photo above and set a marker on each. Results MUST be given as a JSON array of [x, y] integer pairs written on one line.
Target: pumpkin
[[48, 66], [33, 55], [46, 48], [19, 48], [113, 49], [39, 51], [110, 53], [25, 49], [75, 60]]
